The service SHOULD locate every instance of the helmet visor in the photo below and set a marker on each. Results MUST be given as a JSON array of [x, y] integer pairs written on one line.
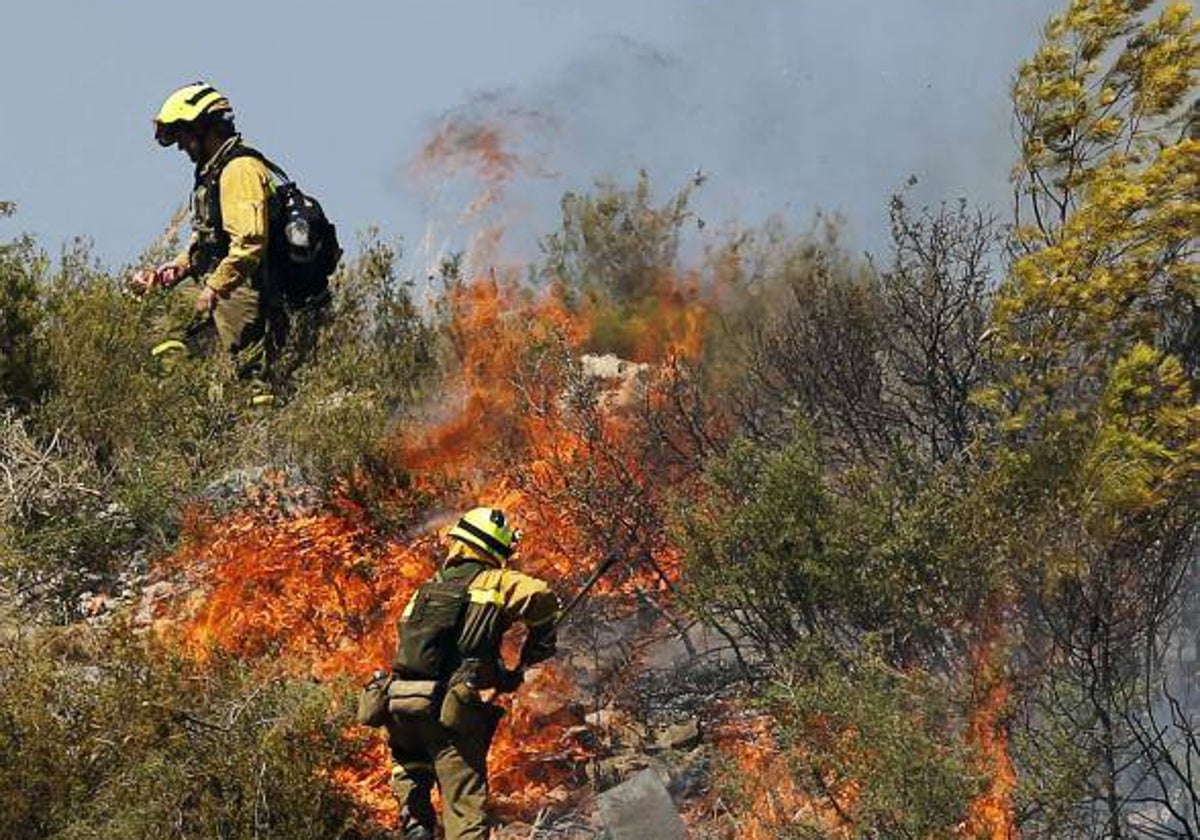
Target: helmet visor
[[166, 133]]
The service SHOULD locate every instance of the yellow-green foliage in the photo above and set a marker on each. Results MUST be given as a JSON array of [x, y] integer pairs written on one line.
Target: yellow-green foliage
[[1092, 335], [1102, 77], [1090, 495], [1108, 258], [1118, 266], [1146, 447]]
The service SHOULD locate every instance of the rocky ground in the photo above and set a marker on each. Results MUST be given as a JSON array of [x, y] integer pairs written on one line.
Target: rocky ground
[[657, 741], [644, 787]]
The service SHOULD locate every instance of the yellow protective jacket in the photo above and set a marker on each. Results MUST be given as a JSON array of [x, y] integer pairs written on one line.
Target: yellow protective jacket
[[519, 598], [228, 246], [496, 600]]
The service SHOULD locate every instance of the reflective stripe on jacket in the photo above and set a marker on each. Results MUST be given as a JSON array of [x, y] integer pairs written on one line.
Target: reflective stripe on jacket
[[498, 599]]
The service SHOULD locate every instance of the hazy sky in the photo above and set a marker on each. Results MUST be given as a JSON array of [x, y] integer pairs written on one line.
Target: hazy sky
[[788, 107]]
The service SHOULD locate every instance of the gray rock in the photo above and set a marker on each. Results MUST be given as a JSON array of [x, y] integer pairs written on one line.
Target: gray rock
[[608, 772], [640, 809], [681, 736]]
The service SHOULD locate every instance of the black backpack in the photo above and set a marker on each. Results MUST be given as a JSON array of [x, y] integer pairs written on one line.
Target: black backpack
[[303, 247], [428, 645]]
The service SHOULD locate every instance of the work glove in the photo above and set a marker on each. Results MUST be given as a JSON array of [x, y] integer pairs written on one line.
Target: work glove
[[509, 681], [206, 301], [540, 644]]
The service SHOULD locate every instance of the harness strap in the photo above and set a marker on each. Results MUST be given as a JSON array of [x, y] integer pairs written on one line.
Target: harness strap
[[250, 151]]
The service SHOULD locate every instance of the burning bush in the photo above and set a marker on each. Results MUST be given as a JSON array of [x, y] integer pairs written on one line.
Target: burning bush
[[945, 527]]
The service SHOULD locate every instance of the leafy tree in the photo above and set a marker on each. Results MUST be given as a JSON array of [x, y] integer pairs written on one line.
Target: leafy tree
[[1070, 526], [613, 252], [1098, 461], [1107, 250]]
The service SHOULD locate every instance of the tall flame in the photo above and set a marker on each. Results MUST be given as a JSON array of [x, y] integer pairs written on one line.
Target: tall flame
[[482, 139], [991, 815], [321, 592]]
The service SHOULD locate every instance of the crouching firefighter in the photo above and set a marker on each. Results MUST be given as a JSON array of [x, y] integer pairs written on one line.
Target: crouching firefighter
[[448, 666]]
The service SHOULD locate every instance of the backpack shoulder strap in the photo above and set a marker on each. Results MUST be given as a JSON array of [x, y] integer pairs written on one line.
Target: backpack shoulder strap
[[456, 579], [465, 572], [249, 151]]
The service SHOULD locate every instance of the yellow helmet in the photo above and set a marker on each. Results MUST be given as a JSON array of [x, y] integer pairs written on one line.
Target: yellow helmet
[[185, 106], [488, 530]]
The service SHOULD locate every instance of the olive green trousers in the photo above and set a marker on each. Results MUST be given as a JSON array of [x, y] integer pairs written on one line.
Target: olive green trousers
[[425, 753], [242, 322]]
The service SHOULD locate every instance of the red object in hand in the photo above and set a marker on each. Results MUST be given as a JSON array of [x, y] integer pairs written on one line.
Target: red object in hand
[[163, 277], [168, 274]]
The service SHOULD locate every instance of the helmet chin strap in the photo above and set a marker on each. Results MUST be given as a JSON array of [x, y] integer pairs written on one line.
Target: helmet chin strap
[[462, 551]]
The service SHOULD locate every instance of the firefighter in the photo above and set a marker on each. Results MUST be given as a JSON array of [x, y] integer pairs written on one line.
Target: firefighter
[[223, 271], [448, 668]]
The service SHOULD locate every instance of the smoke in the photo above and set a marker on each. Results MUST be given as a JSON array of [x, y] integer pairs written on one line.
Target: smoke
[[789, 109], [466, 167]]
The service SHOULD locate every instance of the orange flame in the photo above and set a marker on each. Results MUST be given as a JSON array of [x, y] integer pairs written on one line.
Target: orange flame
[[991, 814], [320, 593], [482, 138], [459, 144], [311, 590], [772, 798]]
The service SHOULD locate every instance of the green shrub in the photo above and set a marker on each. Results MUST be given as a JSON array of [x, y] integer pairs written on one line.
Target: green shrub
[[887, 746], [785, 550], [356, 373], [119, 444], [22, 269], [109, 736]]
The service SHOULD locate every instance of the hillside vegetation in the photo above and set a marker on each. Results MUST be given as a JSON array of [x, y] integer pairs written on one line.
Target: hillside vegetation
[[938, 505]]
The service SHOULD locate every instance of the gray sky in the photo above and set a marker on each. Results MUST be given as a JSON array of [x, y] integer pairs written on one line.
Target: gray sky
[[788, 107]]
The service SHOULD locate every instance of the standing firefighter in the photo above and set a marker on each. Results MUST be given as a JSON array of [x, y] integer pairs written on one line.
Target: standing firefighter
[[447, 662], [224, 269]]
